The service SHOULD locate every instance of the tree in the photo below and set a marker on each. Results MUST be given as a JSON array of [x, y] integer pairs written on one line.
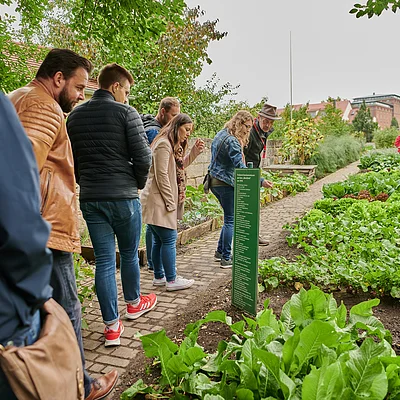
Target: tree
[[331, 122], [99, 30], [171, 67], [282, 126], [374, 7], [394, 123], [363, 122]]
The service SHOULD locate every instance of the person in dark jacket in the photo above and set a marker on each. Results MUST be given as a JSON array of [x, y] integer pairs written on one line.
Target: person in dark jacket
[[261, 129], [168, 109], [112, 159], [25, 262]]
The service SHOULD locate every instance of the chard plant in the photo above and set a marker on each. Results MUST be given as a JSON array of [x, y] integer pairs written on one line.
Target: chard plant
[[316, 350], [347, 244]]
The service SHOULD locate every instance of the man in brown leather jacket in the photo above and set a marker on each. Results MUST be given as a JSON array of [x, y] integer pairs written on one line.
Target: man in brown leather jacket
[[40, 105]]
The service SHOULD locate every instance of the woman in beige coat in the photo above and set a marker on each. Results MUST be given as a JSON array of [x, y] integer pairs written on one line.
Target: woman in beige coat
[[163, 197]]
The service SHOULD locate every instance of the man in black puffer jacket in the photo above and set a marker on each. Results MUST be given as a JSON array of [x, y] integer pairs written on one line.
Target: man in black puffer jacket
[[112, 159]]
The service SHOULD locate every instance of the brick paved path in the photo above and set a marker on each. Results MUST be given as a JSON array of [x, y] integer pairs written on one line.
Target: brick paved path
[[196, 262]]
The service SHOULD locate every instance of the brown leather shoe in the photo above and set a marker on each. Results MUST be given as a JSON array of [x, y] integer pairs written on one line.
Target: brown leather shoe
[[262, 242], [103, 386]]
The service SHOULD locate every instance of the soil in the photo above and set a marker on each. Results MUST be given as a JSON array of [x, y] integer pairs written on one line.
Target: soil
[[218, 297]]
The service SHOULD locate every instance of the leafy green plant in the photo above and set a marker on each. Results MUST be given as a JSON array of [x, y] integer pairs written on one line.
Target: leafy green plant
[[300, 140], [385, 138], [335, 152], [373, 182], [84, 277], [200, 207], [283, 185], [315, 350], [380, 161], [347, 243]]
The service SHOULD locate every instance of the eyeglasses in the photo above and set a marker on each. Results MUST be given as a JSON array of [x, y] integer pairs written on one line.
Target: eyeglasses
[[248, 126]]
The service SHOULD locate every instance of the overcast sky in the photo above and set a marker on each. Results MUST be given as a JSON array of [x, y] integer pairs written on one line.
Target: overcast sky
[[334, 54]]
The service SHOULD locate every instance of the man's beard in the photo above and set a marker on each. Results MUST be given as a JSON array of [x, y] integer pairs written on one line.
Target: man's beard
[[65, 102]]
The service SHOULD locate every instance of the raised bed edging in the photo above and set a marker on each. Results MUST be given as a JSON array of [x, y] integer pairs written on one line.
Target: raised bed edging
[[183, 237]]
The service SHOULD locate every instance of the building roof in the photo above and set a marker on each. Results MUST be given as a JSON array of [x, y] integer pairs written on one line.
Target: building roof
[[371, 103], [315, 108], [376, 97]]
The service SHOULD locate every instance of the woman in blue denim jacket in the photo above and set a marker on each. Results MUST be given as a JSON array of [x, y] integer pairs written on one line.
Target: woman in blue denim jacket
[[226, 155]]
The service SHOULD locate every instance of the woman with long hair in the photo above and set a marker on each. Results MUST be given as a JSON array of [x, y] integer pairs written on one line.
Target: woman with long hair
[[226, 155], [163, 197]]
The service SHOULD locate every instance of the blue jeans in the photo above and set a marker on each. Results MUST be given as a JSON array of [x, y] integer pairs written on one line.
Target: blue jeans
[[105, 220], [225, 195], [164, 252], [149, 246], [29, 338], [65, 293]]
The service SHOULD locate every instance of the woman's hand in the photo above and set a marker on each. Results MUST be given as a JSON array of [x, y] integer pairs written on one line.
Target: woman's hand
[[199, 145], [267, 184]]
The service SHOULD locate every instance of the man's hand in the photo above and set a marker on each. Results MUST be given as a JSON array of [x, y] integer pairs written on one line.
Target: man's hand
[[267, 184]]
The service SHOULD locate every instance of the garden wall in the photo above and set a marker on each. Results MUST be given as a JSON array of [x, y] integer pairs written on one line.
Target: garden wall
[[196, 171]]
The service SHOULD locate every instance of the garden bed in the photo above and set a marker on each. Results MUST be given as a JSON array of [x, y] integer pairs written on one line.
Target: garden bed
[[218, 297]]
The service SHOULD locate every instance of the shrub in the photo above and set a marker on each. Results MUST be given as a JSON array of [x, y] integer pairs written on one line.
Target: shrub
[[385, 138], [335, 152]]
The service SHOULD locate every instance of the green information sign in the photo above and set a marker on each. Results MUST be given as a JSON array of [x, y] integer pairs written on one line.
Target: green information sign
[[245, 239]]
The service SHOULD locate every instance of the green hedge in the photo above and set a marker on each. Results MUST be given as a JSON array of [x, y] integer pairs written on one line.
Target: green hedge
[[336, 152], [385, 138]]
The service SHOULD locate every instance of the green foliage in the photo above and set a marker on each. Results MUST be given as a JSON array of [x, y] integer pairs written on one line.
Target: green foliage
[[301, 140], [394, 123], [171, 67], [335, 152], [200, 207], [84, 276], [14, 69], [363, 122], [281, 127], [315, 350], [283, 185], [105, 31], [374, 7], [380, 161], [374, 182], [331, 122], [385, 138], [347, 243]]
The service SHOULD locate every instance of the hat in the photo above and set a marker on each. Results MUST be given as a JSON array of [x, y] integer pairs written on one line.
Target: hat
[[269, 112]]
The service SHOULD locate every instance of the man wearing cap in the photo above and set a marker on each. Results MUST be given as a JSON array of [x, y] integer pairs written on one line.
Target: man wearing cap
[[261, 129]]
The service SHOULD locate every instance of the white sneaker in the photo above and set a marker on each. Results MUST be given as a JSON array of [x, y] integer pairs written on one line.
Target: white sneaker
[[159, 282], [179, 284]]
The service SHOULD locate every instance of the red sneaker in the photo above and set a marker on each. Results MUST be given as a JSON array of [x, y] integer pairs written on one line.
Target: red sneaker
[[146, 304], [113, 337]]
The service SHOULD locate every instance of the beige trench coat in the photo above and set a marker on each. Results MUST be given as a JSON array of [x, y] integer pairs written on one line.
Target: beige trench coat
[[159, 198]]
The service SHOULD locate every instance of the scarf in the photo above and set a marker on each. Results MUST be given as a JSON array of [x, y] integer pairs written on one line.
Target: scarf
[[180, 175]]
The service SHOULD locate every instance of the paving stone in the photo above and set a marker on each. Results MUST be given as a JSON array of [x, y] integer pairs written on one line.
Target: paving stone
[[95, 368], [125, 352], [91, 344], [107, 369], [116, 361], [90, 355]]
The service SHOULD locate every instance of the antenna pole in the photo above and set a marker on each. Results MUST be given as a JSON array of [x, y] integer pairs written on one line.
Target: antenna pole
[[291, 77]]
